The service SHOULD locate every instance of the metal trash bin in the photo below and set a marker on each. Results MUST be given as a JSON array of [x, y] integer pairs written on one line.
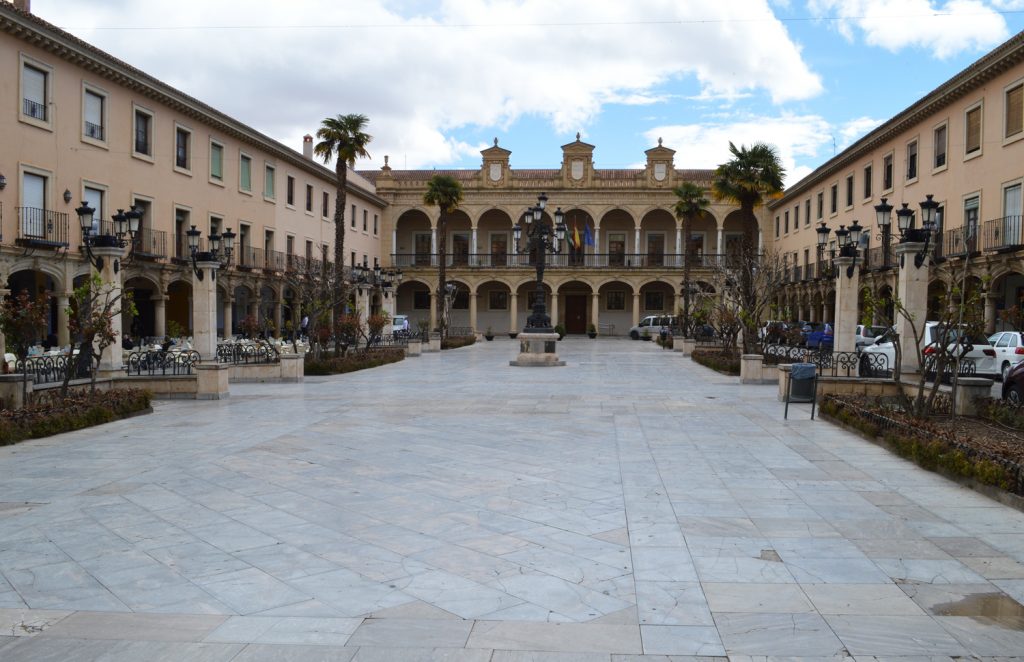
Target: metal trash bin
[[803, 386]]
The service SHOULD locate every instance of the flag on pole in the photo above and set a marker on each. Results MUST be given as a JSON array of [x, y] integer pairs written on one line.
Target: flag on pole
[[576, 237], [588, 238]]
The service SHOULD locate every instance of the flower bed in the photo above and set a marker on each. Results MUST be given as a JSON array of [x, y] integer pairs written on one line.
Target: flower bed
[[55, 414], [727, 363], [965, 448], [330, 365], [454, 342]]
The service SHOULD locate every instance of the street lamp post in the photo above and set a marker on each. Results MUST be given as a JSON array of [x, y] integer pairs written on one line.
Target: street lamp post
[[126, 226], [539, 238]]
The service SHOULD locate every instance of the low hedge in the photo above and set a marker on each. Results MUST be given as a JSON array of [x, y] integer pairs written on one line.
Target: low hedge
[[329, 365], [454, 342], [725, 362], [926, 444], [54, 414]]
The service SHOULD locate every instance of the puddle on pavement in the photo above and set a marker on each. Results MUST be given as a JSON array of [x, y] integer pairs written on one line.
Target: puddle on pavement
[[986, 608]]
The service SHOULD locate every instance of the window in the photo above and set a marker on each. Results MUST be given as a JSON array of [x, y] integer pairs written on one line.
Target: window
[[216, 162], [940, 146], [1014, 111], [35, 92], [94, 197], [849, 190], [289, 244], [778, 225], [867, 181], [94, 115], [654, 301], [972, 136], [326, 205], [245, 173], [421, 300], [833, 203], [290, 191], [796, 217], [912, 160], [615, 300], [143, 132], [785, 223], [821, 204], [182, 148], [366, 215], [497, 300], [375, 224], [353, 217], [887, 172], [807, 212], [309, 249], [971, 207], [1012, 208], [34, 194], [309, 198], [181, 224], [269, 174]]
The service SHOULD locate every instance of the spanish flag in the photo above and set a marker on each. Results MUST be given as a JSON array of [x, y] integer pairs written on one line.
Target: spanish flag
[[576, 237]]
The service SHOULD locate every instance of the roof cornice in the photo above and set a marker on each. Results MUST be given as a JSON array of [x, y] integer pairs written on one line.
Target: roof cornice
[[41, 34], [1005, 56]]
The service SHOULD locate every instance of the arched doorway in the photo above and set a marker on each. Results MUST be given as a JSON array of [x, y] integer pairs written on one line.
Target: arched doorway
[[494, 305], [38, 283], [574, 302], [179, 308]]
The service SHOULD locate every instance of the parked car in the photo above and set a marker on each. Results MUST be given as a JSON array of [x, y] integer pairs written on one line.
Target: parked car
[[1013, 384], [820, 336], [653, 325], [865, 335], [1009, 347], [978, 352]]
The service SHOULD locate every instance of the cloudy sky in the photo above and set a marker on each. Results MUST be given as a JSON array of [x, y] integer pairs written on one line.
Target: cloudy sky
[[440, 79]]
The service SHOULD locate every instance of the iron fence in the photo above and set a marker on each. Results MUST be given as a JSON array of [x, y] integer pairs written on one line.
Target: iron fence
[[42, 227], [53, 369], [157, 362], [567, 260], [828, 362], [247, 353]]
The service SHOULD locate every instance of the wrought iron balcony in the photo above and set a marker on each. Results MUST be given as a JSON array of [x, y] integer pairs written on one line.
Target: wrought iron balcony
[[150, 244], [562, 260], [41, 228], [1003, 234]]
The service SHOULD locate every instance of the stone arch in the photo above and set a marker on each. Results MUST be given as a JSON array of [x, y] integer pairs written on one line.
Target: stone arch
[[39, 282], [494, 305], [494, 238], [574, 305], [615, 306], [143, 289], [412, 298], [413, 245], [1006, 297]]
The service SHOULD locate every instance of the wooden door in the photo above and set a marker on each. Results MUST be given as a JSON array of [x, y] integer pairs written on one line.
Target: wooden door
[[576, 313]]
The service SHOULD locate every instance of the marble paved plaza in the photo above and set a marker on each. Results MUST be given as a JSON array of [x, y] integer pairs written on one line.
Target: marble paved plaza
[[629, 506]]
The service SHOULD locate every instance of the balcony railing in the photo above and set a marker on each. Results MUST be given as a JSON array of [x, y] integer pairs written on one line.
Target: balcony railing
[[955, 245], [93, 131], [42, 228], [248, 258], [181, 252], [876, 258], [34, 109], [297, 264], [274, 261], [563, 260], [151, 244], [1002, 234]]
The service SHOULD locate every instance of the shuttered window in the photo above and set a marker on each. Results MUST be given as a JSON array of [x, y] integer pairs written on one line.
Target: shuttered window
[[245, 173], [1015, 111], [912, 160], [93, 115], [216, 161], [972, 140], [940, 146], [33, 84]]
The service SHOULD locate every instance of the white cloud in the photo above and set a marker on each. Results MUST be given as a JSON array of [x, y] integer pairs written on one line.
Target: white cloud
[[854, 129], [706, 145], [496, 62], [945, 29]]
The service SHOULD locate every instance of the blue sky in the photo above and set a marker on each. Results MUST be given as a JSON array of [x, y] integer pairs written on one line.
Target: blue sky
[[440, 79]]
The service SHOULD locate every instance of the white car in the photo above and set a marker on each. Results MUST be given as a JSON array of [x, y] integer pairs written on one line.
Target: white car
[[1009, 348], [981, 354], [653, 325], [866, 335]]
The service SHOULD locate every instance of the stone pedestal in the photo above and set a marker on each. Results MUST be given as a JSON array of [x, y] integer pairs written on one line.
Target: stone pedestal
[[685, 345], [537, 350], [847, 293], [212, 381], [968, 390], [415, 348], [912, 290], [750, 369], [11, 390], [433, 345], [292, 368]]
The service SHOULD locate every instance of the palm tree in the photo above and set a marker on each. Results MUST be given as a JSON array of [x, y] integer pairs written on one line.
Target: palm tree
[[750, 178], [446, 192], [344, 138], [690, 206]]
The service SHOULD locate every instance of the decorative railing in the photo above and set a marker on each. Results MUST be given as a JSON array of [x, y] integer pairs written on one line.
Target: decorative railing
[[151, 243], [181, 251], [42, 228], [954, 243], [460, 330], [386, 341], [155, 362], [247, 353], [1003, 233], [34, 109], [94, 131], [876, 257], [567, 260], [274, 261], [835, 364], [53, 369], [248, 258]]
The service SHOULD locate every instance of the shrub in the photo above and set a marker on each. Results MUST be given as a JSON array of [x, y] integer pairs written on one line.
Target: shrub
[[352, 362], [54, 414], [560, 330], [725, 362], [454, 342]]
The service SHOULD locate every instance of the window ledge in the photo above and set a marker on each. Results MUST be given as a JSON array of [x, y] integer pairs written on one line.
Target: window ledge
[[36, 122], [143, 157], [216, 182], [272, 201], [95, 142], [942, 168], [1014, 138], [973, 155], [182, 171]]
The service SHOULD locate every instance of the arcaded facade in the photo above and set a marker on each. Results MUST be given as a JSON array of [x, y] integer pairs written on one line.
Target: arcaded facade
[[963, 144], [627, 263]]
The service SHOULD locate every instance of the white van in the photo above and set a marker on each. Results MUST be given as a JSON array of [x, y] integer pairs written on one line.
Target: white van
[[653, 325]]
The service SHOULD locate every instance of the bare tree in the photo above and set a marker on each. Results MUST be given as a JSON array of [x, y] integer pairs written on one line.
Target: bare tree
[[746, 282], [318, 292], [90, 320]]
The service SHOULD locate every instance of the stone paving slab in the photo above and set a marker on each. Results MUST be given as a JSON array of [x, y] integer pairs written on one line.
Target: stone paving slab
[[629, 506]]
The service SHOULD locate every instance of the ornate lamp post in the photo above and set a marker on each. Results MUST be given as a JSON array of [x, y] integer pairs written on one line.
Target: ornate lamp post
[[214, 254], [539, 238], [905, 225], [126, 226], [823, 231]]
